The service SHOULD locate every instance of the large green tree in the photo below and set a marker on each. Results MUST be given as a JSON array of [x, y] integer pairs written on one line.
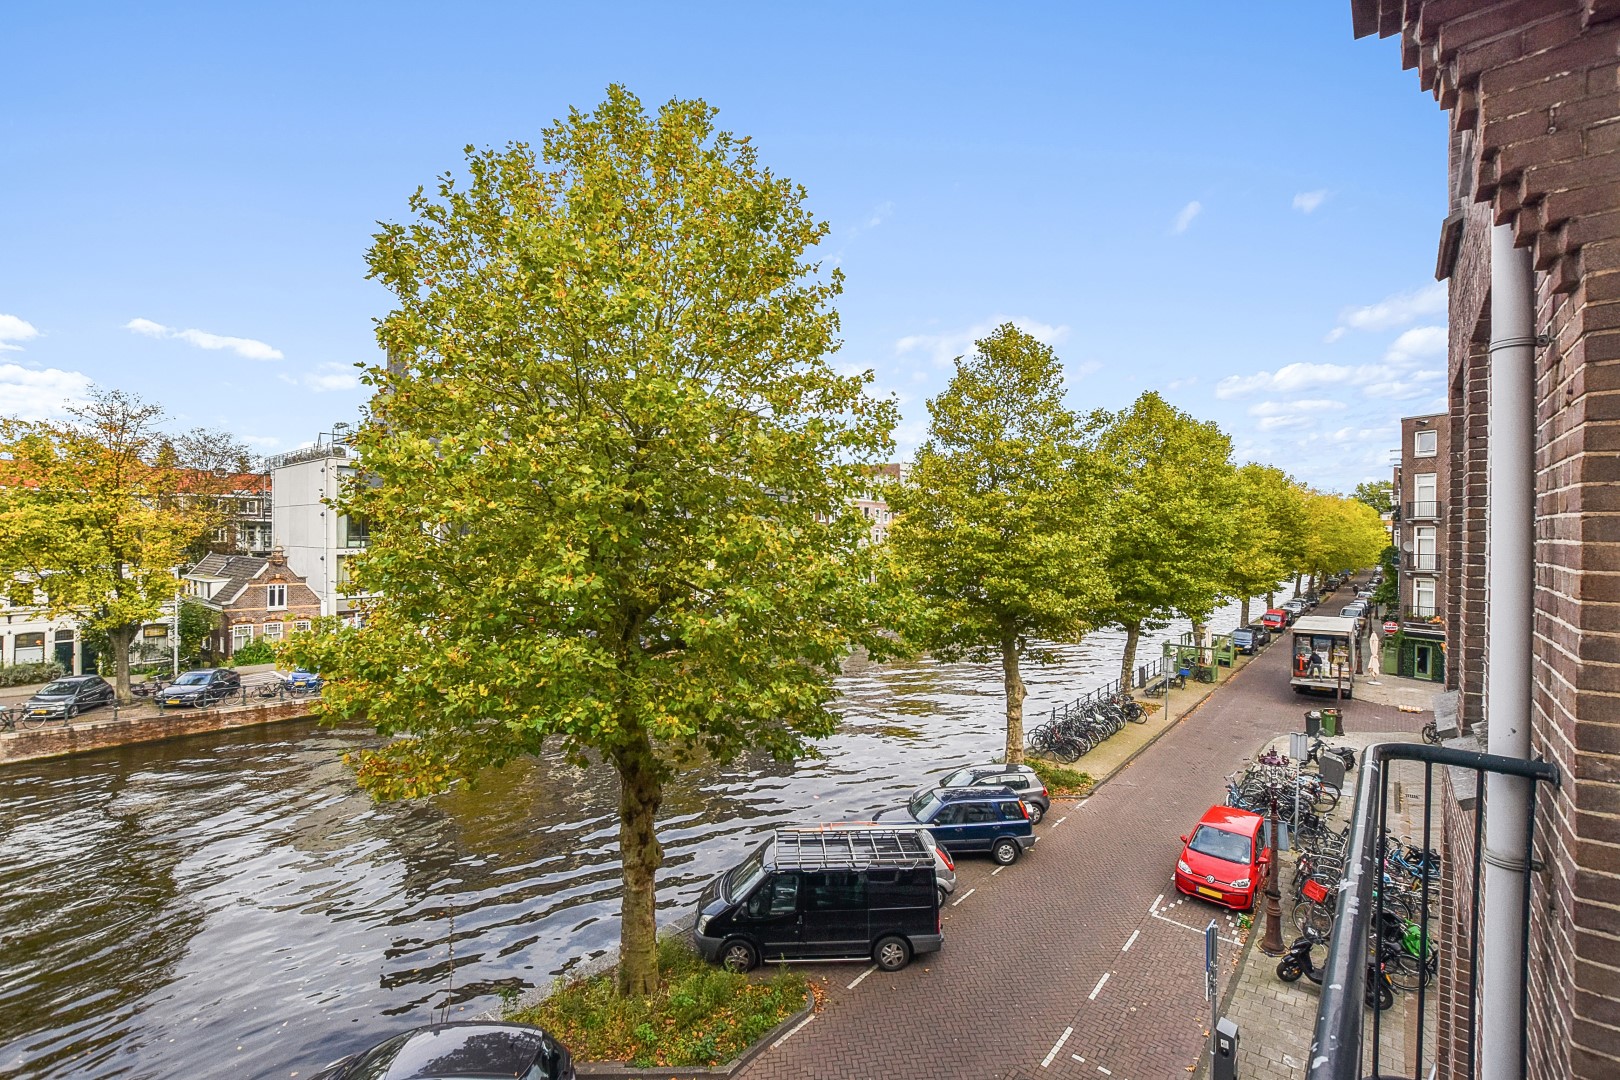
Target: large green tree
[[1267, 533], [1341, 534], [94, 517], [1169, 549], [1378, 494], [608, 472], [1000, 524]]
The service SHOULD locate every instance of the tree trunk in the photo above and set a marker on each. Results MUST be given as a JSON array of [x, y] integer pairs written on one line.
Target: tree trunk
[[1015, 698], [1271, 600], [1297, 578], [1243, 612], [641, 791], [1133, 633], [118, 640]]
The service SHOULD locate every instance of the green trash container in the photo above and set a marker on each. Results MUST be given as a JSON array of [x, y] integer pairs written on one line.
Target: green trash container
[[1330, 722]]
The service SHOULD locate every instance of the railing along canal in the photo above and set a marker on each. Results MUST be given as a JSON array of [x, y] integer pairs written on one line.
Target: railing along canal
[[1337, 1046]]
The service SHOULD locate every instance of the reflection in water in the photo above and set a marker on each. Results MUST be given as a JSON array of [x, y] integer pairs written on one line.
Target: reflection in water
[[232, 902]]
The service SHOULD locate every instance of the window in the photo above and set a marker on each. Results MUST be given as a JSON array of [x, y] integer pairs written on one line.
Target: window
[[974, 813], [271, 631], [353, 530], [29, 649], [1425, 443], [779, 896], [1423, 541], [837, 890], [275, 596], [300, 626], [241, 635], [1219, 844], [1011, 811], [1423, 598], [1424, 504], [949, 815]]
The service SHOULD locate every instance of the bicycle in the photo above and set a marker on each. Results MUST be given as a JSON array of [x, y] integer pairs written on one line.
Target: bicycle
[[12, 715]]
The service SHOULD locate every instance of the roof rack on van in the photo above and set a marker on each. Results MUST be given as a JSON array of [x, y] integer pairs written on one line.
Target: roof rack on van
[[813, 848]]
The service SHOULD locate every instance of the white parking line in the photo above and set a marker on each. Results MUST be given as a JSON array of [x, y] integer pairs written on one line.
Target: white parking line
[[997, 870], [1052, 1053], [1132, 941], [1078, 1058], [861, 976], [1153, 909], [1104, 1071], [794, 1030], [1095, 990], [1061, 820], [963, 897]]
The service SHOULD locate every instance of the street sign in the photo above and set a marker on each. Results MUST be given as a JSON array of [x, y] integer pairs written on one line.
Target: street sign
[[1392, 627]]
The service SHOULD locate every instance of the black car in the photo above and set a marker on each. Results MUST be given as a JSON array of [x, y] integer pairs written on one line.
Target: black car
[[467, 1050], [1245, 640], [971, 819], [201, 688], [67, 698]]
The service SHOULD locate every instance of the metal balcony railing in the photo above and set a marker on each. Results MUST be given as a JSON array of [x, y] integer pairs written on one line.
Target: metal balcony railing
[[1339, 1042], [1421, 562], [1423, 510]]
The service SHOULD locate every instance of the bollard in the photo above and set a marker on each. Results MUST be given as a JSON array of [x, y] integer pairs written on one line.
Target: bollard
[[1226, 1048]]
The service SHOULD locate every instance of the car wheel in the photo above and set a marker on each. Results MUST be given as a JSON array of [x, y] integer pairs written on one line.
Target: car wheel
[[892, 953], [738, 956], [72, 711], [1035, 813], [942, 895], [1005, 851]]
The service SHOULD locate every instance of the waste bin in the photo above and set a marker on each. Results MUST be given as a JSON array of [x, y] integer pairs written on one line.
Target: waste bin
[[1313, 723], [1330, 722]]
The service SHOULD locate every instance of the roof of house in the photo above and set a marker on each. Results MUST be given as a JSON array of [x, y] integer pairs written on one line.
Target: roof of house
[[235, 570]]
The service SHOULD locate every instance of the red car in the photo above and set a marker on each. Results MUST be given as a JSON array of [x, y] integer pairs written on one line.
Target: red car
[[1274, 619], [1225, 859]]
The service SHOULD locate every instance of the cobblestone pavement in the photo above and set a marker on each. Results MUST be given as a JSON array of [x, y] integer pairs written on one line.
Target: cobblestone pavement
[[1077, 961]]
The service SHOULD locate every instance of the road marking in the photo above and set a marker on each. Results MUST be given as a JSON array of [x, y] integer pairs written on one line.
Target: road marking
[[793, 1031], [1095, 990], [1134, 935], [964, 896], [1078, 1058], [1052, 1053], [1191, 929], [1153, 909], [1082, 802], [1104, 1071], [1062, 819], [861, 976], [997, 870]]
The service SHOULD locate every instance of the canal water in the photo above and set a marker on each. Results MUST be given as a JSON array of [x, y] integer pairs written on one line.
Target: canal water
[[232, 904]]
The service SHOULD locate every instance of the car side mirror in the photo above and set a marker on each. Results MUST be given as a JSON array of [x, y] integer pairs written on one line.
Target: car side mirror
[[1183, 839]]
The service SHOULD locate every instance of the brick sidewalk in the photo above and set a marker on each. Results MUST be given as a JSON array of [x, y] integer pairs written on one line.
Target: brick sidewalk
[[1077, 961]]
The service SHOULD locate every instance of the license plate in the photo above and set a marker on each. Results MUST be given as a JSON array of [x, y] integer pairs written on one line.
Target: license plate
[[1205, 890], [41, 712], [172, 701]]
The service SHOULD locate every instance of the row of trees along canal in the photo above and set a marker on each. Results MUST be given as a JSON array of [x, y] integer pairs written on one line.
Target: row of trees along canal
[[611, 471]]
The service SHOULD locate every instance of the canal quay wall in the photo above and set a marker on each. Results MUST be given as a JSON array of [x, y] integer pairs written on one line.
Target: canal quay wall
[[141, 724]]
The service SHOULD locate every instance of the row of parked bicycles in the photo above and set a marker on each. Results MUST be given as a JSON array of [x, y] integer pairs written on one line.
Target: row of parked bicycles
[[1400, 956], [1075, 730]]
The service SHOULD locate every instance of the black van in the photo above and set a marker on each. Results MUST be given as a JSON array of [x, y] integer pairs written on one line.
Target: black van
[[812, 895]]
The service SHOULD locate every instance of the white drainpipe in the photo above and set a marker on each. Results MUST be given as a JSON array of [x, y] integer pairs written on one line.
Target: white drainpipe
[[1510, 614]]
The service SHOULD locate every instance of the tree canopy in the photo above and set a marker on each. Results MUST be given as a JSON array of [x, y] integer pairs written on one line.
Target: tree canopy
[[1378, 494], [96, 515], [608, 471], [1001, 520]]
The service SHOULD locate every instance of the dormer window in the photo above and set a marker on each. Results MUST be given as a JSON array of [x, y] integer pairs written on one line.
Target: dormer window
[[276, 597]]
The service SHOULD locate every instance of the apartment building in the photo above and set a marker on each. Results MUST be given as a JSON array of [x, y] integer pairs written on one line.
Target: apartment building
[[1418, 649], [318, 541]]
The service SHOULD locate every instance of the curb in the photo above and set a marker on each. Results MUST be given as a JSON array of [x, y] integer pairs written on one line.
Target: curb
[[618, 1070]]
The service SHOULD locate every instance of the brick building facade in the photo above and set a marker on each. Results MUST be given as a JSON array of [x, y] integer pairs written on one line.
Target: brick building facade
[[1531, 89], [257, 599], [1421, 498]]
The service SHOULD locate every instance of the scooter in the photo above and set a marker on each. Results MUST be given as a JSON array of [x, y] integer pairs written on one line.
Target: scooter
[[1298, 961]]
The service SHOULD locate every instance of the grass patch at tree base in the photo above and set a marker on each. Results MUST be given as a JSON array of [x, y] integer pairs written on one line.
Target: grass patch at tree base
[[699, 1015], [1060, 780]]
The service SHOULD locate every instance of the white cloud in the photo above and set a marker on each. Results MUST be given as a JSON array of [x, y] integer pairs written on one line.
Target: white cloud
[[1185, 218], [1307, 201], [879, 214], [1418, 342], [944, 348], [247, 348], [326, 378], [1178, 384], [14, 329], [1393, 311], [31, 394], [1290, 408]]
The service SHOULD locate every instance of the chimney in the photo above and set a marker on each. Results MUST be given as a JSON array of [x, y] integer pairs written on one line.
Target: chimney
[[277, 557]]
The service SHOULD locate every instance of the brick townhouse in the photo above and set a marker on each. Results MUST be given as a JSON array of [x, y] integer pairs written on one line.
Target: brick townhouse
[[257, 599], [1530, 245]]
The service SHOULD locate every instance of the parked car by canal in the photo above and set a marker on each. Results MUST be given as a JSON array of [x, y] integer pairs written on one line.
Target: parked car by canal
[[63, 699], [469, 1050], [1274, 619], [1224, 860], [1246, 641], [825, 894], [944, 865], [203, 687], [971, 820], [1023, 780]]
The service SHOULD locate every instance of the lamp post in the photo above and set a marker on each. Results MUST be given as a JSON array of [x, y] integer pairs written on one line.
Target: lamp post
[[1271, 943]]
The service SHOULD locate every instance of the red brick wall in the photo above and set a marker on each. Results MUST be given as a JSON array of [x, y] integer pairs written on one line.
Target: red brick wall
[[250, 608], [1537, 82]]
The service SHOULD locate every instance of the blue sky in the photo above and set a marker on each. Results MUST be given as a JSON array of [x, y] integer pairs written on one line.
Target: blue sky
[[1240, 211]]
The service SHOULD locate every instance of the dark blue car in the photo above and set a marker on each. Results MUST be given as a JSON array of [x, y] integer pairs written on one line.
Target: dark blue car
[[971, 820]]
